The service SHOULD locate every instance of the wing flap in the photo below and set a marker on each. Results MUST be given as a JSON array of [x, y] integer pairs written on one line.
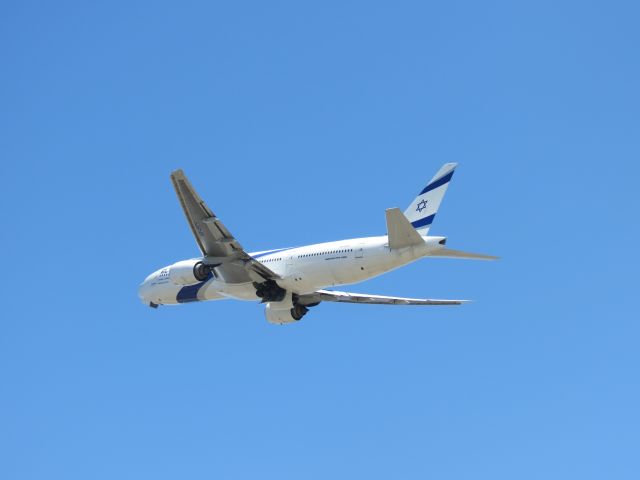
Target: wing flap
[[216, 242], [346, 297], [200, 218]]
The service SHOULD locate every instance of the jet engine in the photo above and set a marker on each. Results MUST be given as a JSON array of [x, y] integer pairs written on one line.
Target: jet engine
[[189, 272], [285, 311], [280, 315]]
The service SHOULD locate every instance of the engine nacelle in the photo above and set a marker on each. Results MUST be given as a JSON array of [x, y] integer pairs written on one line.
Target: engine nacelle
[[285, 311], [189, 272], [278, 315]]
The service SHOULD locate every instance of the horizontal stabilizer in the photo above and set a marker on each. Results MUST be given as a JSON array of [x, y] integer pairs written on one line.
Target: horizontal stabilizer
[[401, 232], [448, 253], [346, 297]]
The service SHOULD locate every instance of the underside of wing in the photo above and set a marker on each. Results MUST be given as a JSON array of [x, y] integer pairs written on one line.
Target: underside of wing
[[216, 242], [449, 253], [346, 297]]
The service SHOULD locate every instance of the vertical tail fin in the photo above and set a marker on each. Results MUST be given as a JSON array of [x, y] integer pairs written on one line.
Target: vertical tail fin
[[423, 209]]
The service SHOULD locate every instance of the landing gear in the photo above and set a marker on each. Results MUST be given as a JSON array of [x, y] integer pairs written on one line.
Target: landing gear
[[281, 307], [269, 291], [298, 311]]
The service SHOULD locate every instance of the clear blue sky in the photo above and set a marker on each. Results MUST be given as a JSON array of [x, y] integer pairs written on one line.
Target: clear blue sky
[[300, 123]]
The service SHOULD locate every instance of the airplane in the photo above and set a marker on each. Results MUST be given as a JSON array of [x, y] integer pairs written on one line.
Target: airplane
[[291, 280]]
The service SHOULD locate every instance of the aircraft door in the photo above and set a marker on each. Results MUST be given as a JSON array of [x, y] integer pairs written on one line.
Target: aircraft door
[[359, 261], [289, 267]]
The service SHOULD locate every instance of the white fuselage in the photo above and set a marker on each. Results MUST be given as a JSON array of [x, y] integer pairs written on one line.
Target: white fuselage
[[302, 270]]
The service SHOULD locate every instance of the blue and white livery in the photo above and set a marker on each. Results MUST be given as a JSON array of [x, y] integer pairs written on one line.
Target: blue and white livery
[[291, 280], [424, 208]]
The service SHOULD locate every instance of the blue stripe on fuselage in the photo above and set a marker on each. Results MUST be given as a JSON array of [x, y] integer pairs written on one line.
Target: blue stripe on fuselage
[[190, 292], [271, 252]]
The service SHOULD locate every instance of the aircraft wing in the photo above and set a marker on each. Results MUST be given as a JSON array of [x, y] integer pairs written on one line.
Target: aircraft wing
[[214, 239], [447, 252], [346, 297]]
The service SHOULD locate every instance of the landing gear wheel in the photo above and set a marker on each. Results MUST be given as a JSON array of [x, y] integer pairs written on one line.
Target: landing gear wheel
[[298, 311]]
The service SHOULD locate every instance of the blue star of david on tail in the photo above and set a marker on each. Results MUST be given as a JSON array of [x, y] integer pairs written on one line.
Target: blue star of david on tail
[[421, 205]]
